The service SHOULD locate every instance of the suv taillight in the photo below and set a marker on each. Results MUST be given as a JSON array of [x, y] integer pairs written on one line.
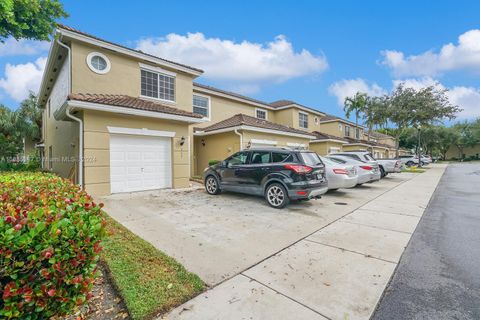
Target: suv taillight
[[298, 168]]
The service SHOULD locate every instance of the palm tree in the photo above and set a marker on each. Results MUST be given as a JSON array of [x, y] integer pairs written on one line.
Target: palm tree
[[356, 104]]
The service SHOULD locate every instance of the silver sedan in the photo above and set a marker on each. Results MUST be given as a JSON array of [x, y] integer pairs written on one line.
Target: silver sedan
[[366, 171], [339, 176]]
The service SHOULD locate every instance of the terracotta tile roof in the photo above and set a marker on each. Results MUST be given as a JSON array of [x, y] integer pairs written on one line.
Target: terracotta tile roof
[[244, 120], [204, 86], [325, 136], [125, 101], [379, 135], [64, 27]]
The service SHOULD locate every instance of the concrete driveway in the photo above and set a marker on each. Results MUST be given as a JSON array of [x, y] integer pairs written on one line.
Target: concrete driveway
[[324, 259], [218, 237]]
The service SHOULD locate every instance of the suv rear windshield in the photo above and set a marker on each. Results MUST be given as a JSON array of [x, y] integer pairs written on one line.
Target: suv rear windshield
[[310, 158], [369, 157]]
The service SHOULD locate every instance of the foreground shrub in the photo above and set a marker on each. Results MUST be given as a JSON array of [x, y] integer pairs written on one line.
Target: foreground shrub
[[50, 233]]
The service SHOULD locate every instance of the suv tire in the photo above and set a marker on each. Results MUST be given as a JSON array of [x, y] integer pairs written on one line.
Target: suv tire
[[276, 196], [212, 186]]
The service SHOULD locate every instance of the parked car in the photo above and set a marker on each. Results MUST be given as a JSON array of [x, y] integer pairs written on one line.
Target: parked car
[[339, 175], [426, 160], [389, 166], [365, 172], [366, 157], [278, 174], [409, 160]]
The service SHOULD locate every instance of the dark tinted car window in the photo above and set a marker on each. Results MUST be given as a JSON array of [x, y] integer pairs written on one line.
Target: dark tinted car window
[[259, 157], [281, 157], [238, 158]]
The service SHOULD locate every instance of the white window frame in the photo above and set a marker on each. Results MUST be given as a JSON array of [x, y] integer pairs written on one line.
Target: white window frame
[[299, 121], [345, 131], [209, 105], [101, 55], [163, 72], [261, 110], [358, 133]]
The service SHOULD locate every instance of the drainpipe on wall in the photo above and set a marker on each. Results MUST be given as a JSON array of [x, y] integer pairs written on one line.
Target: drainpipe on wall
[[80, 122], [241, 138]]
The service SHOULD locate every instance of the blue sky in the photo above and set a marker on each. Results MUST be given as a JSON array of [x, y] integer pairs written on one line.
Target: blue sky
[[315, 53]]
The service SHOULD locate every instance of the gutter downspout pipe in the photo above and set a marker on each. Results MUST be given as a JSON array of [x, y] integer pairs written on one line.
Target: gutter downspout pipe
[[68, 114], [241, 138]]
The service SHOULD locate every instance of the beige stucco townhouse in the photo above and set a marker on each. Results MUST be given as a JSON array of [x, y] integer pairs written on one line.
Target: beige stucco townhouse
[[120, 120]]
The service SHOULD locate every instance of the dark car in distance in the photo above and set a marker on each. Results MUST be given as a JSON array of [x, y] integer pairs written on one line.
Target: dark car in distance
[[278, 174]]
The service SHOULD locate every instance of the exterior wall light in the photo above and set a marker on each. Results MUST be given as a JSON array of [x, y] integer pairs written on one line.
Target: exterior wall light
[[203, 142], [182, 140]]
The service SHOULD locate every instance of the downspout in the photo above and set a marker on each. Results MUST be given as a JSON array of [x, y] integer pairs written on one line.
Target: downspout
[[68, 114], [241, 138]]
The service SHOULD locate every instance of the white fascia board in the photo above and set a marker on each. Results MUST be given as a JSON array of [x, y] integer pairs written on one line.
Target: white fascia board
[[129, 52], [141, 132], [47, 70], [228, 96], [250, 128], [292, 144], [360, 144], [343, 121], [328, 140], [135, 112], [263, 141], [301, 108]]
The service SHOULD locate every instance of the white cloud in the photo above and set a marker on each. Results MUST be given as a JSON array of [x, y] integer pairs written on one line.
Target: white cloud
[[237, 64], [19, 79], [13, 47], [349, 87], [462, 56]]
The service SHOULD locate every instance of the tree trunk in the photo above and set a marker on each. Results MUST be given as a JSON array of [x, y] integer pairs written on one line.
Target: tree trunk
[[397, 146], [419, 155]]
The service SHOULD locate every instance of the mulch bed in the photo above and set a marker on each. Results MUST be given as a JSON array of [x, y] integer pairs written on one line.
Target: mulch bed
[[105, 304]]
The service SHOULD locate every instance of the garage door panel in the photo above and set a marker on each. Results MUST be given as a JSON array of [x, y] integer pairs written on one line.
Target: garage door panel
[[139, 163]]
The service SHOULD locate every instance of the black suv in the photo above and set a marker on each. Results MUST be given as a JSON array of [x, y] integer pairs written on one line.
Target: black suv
[[278, 174]]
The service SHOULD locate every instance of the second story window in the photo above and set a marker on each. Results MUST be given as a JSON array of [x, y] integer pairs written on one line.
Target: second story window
[[157, 85], [201, 105], [303, 120], [347, 131], [261, 114], [357, 133]]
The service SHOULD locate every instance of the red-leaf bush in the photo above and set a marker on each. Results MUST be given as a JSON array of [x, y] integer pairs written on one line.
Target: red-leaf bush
[[50, 233]]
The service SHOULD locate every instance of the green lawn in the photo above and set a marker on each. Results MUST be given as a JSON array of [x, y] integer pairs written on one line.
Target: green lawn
[[149, 281]]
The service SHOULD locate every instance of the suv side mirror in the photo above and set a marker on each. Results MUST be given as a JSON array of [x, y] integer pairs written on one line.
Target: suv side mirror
[[224, 163]]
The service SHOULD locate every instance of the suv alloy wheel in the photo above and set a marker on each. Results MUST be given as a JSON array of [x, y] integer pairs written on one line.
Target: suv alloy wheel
[[211, 185], [276, 196]]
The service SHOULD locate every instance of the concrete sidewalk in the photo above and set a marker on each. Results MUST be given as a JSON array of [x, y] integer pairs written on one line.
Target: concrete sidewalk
[[338, 272]]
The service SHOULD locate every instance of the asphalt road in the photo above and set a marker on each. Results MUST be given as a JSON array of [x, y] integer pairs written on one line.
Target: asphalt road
[[438, 276]]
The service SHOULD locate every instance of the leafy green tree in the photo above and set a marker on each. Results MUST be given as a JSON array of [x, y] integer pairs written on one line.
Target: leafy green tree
[[356, 104], [445, 139], [11, 142], [375, 113], [30, 118], [29, 19], [409, 108], [465, 136]]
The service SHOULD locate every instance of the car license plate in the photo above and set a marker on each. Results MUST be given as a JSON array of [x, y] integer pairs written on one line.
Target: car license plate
[[319, 177]]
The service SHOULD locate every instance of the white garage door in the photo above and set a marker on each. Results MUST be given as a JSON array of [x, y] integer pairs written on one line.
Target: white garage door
[[139, 163]]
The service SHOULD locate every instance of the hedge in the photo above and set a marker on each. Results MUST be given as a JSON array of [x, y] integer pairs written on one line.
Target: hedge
[[50, 234]]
